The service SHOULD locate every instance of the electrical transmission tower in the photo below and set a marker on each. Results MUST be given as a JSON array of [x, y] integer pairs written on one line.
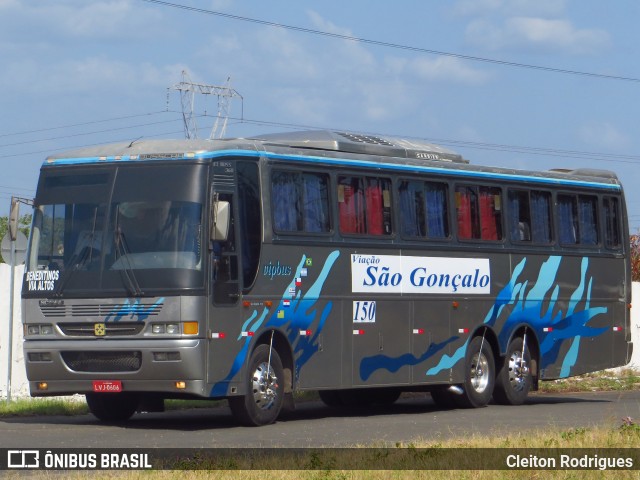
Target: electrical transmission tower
[[225, 93]]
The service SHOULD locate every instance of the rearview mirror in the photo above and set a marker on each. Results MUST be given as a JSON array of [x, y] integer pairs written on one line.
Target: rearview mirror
[[220, 221], [14, 218]]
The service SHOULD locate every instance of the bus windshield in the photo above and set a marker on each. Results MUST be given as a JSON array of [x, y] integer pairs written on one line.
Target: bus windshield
[[125, 244]]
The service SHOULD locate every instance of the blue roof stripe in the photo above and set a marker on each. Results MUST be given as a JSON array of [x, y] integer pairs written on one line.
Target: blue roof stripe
[[356, 164]]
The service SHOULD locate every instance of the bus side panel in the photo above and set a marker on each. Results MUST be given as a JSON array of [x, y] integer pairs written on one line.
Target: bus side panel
[[563, 300], [290, 296], [381, 342], [431, 340]]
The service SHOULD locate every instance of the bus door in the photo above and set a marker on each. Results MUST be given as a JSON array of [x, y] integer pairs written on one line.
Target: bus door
[[234, 258], [224, 259], [224, 289]]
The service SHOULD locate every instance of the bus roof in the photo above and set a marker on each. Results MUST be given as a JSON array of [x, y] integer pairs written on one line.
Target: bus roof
[[322, 144]]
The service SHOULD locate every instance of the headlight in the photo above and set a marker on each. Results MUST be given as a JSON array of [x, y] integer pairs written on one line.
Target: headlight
[[186, 328], [158, 328], [46, 329], [173, 328]]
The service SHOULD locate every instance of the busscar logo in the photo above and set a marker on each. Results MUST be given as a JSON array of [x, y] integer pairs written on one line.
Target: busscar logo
[[23, 459], [99, 329]]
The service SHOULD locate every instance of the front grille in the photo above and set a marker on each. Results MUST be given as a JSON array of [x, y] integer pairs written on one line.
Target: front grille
[[102, 310], [103, 362], [112, 329]]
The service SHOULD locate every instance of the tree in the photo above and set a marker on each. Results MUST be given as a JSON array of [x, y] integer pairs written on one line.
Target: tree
[[635, 257], [24, 225]]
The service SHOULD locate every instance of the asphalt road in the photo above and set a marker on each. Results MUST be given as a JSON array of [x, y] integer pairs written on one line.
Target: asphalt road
[[314, 425]]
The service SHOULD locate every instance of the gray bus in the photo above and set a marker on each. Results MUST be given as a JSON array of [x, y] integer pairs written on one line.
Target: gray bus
[[358, 266]]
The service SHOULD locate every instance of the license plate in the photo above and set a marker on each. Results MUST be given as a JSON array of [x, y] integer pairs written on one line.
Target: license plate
[[107, 386]]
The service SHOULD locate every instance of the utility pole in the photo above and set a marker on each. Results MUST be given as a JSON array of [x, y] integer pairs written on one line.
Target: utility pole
[[225, 94]]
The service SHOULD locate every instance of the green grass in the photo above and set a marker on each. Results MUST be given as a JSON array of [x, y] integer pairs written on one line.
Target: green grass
[[42, 406], [607, 380]]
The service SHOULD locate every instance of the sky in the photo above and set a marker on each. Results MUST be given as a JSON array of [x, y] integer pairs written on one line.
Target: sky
[[532, 84]]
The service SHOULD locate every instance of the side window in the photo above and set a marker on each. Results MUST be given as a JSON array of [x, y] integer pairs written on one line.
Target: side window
[[530, 216], [423, 209], [479, 213], [612, 217], [300, 202], [578, 219], [364, 205], [250, 216]]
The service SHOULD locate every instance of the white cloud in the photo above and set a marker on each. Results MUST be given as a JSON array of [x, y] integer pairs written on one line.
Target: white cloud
[[511, 7], [537, 33], [6, 4], [311, 79], [604, 135], [93, 74], [119, 19], [446, 69]]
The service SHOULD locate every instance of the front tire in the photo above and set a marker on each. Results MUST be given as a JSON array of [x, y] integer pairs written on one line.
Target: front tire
[[514, 379], [263, 401], [112, 407], [479, 379]]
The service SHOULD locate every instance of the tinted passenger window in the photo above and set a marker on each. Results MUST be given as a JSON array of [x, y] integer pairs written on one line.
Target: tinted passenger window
[[612, 222], [479, 212], [578, 219], [364, 204], [423, 209], [530, 216], [300, 202]]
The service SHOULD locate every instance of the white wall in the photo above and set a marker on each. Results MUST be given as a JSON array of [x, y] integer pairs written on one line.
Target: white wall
[[20, 387], [635, 325]]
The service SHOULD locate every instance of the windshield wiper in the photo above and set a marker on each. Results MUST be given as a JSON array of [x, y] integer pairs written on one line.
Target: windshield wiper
[[127, 272], [79, 258], [76, 261]]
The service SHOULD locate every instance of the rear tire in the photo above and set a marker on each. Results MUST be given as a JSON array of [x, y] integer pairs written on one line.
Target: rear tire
[[265, 390], [514, 379], [479, 379], [112, 407]]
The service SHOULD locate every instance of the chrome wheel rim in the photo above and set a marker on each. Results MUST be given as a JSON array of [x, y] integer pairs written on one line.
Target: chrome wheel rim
[[518, 371], [480, 373], [264, 385]]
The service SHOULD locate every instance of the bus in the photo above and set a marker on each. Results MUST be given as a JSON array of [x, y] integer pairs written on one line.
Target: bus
[[358, 266]]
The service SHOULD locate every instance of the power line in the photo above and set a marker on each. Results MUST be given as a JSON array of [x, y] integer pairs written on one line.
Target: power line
[[85, 133], [540, 151], [398, 46], [545, 151], [26, 132]]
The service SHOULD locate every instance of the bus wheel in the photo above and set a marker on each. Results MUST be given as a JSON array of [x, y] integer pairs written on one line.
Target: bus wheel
[[112, 407], [479, 376], [513, 381], [265, 390]]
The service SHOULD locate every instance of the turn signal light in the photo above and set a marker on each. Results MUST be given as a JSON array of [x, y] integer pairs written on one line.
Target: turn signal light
[[181, 385], [43, 386], [190, 328]]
